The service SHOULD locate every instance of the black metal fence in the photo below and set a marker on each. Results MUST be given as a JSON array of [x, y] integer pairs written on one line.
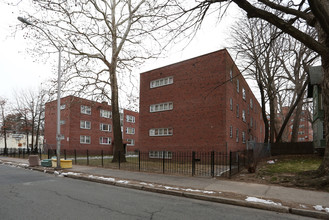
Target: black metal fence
[[212, 163]]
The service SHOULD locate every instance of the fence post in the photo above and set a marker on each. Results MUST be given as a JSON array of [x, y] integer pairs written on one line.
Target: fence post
[[75, 156], [139, 161], [40, 153], [65, 154], [87, 158], [163, 161], [48, 153], [102, 158], [212, 164], [193, 163], [230, 163]]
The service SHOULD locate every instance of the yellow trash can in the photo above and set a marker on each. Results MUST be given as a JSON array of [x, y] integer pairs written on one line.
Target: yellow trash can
[[63, 163]]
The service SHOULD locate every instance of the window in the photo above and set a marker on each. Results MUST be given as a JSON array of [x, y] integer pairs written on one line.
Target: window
[[237, 135], [85, 124], [251, 104], [231, 74], [162, 82], [130, 118], [106, 127], [159, 154], [237, 86], [244, 115], [301, 132], [62, 107], [237, 110], [131, 142], [105, 140], [161, 132], [106, 114], [231, 131], [130, 130], [62, 122], [301, 139], [243, 137], [84, 139], [243, 93], [161, 107], [301, 126], [85, 109], [251, 122], [231, 104]]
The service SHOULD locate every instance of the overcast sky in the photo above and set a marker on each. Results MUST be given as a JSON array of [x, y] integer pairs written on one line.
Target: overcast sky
[[19, 71]]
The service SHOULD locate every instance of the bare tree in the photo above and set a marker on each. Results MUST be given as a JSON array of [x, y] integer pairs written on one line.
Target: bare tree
[[276, 62], [102, 39], [30, 106], [4, 126]]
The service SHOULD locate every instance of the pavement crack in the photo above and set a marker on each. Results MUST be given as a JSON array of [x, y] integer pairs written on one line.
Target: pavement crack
[[94, 204], [154, 212]]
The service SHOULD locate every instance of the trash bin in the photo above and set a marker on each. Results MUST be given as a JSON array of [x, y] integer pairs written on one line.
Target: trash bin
[[63, 163], [46, 163]]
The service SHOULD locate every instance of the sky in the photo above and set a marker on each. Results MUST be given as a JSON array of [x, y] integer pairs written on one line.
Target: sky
[[20, 72]]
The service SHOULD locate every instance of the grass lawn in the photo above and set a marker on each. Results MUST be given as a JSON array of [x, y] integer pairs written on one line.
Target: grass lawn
[[293, 164]]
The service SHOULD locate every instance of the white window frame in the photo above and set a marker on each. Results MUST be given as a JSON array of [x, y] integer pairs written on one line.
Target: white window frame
[[131, 142], [84, 124], [251, 104], [130, 118], [243, 93], [108, 142], [102, 125], [243, 137], [156, 132], [165, 106], [130, 130], [237, 135], [244, 115], [86, 139], [62, 122], [237, 111], [62, 107], [162, 82], [84, 109], [159, 154], [105, 113], [237, 85]]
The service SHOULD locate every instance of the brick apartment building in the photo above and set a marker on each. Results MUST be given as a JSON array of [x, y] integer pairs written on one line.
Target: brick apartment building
[[305, 131], [87, 124], [200, 104]]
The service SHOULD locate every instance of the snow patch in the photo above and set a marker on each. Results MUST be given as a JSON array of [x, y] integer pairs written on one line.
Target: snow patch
[[269, 202], [320, 208]]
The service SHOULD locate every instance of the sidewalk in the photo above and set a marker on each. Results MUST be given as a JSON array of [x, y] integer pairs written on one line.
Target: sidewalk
[[275, 198]]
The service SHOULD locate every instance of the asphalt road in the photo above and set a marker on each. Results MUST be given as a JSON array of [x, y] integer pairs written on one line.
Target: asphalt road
[[26, 194]]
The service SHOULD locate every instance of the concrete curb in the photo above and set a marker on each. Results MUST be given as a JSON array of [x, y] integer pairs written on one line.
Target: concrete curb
[[223, 200]]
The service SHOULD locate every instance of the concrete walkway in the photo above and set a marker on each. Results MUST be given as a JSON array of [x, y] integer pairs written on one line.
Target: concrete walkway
[[296, 201]]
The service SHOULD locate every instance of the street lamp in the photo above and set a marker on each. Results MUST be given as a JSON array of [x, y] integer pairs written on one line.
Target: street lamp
[[58, 133]]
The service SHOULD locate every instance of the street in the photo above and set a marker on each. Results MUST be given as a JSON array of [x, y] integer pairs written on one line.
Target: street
[[27, 194]]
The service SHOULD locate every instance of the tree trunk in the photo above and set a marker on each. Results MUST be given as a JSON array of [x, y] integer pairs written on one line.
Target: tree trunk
[[272, 119], [295, 126]]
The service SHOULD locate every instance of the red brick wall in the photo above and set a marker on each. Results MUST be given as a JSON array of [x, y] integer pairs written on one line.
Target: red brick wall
[[71, 129], [200, 117]]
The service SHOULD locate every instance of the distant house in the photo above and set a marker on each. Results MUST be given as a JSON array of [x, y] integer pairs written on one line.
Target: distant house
[[19, 141], [315, 92], [87, 124], [200, 104]]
